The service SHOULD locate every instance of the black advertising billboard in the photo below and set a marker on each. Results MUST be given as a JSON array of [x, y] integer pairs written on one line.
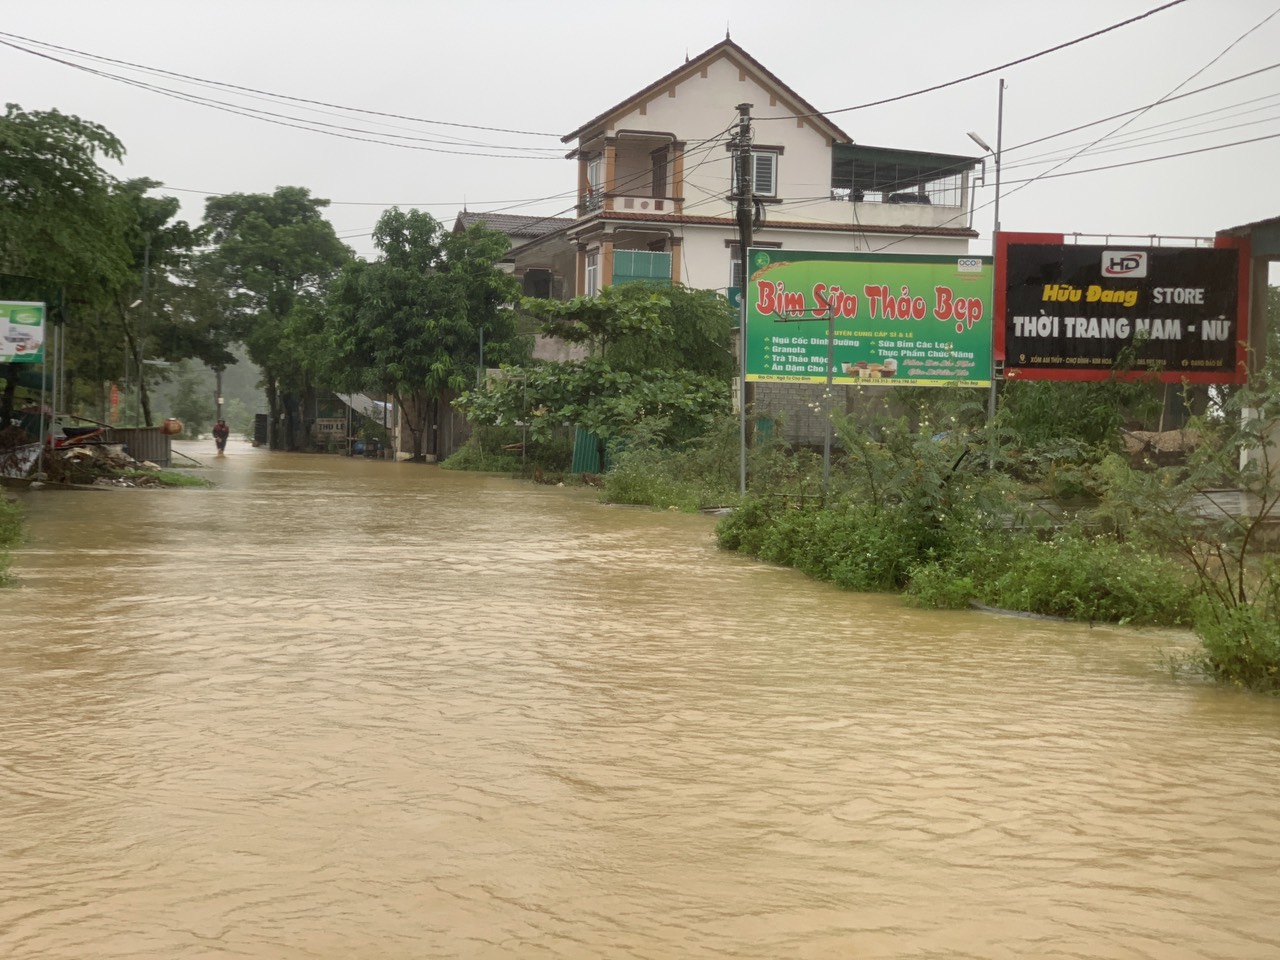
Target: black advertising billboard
[[1069, 311]]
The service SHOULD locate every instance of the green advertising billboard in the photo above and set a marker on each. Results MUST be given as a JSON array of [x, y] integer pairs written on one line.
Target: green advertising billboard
[[21, 332], [912, 319]]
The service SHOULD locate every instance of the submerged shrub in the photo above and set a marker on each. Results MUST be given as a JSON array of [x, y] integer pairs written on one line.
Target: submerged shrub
[[1241, 644], [10, 533], [940, 586], [1091, 579]]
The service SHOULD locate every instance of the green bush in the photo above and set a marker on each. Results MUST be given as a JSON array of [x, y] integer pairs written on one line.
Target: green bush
[[1241, 644], [938, 585], [641, 478], [858, 548], [497, 450], [1090, 579], [471, 456]]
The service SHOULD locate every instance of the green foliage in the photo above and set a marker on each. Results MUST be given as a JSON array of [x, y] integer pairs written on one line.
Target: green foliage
[[497, 450], [1070, 575], [471, 456], [1184, 512], [702, 473], [1241, 642], [1181, 509], [659, 370], [189, 402], [271, 259], [411, 323], [1089, 579], [58, 221], [939, 586], [1038, 413], [923, 513]]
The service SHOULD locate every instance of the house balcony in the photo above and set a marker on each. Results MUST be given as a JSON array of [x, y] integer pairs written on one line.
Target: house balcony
[[594, 200]]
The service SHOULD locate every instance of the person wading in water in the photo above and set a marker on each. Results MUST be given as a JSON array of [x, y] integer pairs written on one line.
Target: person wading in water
[[220, 433]]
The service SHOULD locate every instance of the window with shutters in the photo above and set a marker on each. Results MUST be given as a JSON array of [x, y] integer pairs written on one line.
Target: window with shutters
[[764, 174]]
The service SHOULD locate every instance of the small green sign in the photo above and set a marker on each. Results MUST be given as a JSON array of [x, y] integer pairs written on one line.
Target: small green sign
[[21, 332], [906, 319]]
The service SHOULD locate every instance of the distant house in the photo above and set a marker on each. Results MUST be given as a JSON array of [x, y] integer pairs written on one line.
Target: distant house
[[545, 269]]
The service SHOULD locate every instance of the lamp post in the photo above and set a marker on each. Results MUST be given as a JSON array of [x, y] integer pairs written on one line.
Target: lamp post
[[995, 232]]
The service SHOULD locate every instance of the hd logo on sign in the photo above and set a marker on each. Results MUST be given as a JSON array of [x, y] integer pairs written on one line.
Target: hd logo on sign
[[1124, 263]]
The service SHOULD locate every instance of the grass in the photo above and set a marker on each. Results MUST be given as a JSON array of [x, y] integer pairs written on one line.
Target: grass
[[10, 534]]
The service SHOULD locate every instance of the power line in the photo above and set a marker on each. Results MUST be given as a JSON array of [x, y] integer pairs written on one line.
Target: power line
[[629, 181], [1132, 163], [982, 73], [1117, 116], [267, 116], [1144, 142], [279, 96], [1110, 133], [1144, 134]]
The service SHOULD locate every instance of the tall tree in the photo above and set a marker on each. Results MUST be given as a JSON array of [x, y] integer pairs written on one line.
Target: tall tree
[[165, 325], [62, 234], [273, 254], [411, 324]]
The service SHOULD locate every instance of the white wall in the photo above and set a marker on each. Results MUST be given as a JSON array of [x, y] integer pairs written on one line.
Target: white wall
[[705, 260], [705, 108]]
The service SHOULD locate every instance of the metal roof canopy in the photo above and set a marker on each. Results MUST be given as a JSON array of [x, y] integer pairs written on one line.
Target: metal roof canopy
[[885, 170], [1263, 236]]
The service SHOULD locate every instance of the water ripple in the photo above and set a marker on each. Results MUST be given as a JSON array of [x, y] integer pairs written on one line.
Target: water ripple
[[351, 709]]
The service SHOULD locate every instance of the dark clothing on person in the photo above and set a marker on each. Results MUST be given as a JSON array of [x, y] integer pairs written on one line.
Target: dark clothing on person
[[220, 433]]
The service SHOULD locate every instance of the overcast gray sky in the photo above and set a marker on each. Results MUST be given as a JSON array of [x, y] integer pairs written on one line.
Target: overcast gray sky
[[547, 66]]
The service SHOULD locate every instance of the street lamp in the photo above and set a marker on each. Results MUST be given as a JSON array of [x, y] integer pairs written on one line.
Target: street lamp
[[995, 232]]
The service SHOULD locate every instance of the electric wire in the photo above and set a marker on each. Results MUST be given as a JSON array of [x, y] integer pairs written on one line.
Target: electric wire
[[1145, 142], [1229, 47], [982, 73], [1050, 173], [707, 146], [1148, 134], [270, 117], [279, 96], [1125, 113]]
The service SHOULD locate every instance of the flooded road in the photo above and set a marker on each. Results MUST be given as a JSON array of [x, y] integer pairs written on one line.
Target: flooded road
[[339, 708]]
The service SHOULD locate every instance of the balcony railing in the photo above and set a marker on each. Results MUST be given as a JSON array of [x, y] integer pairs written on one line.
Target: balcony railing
[[593, 200]]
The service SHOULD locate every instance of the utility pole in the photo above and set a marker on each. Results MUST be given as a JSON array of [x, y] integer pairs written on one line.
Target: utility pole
[[746, 214], [144, 402]]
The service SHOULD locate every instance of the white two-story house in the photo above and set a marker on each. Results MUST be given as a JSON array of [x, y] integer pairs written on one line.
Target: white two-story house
[[655, 181]]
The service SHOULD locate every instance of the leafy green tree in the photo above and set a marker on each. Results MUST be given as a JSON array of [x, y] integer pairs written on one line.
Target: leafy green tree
[[410, 324], [58, 223], [273, 254], [61, 231], [167, 324], [659, 367]]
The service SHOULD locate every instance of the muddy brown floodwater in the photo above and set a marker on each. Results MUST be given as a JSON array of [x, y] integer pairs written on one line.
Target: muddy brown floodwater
[[340, 708]]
